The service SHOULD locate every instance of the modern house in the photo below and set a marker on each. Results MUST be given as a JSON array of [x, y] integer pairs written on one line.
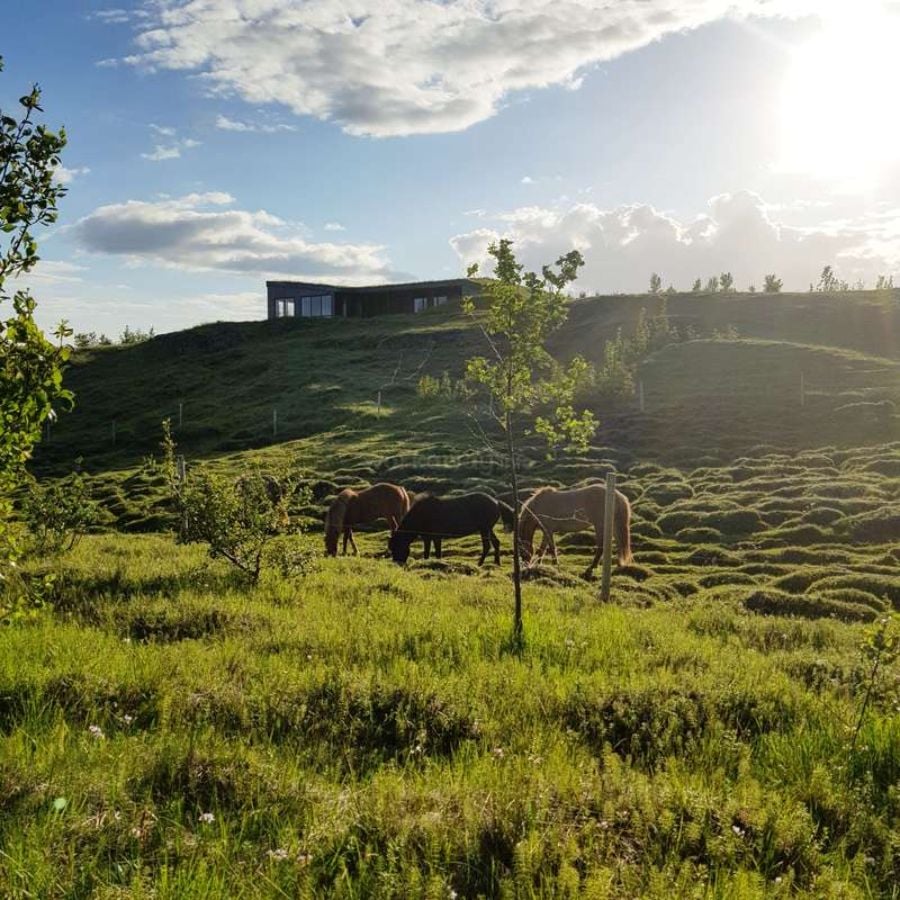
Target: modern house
[[310, 300]]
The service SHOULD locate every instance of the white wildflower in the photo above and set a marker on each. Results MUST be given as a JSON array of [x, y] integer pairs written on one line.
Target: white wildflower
[[207, 818]]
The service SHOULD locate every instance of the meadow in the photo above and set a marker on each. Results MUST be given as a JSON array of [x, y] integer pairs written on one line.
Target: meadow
[[371, 730]]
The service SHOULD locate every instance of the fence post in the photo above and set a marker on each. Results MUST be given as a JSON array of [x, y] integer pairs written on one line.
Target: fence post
[[609, 514], [641, 394], [275, 422], [180, 411], [181, 475], [379, 403]]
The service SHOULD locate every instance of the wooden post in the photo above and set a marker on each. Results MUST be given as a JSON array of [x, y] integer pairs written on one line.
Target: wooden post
[[275, 422], [609, 515], [379, 403], [641, 394], [802, 390], [180, 411], [181, 475]]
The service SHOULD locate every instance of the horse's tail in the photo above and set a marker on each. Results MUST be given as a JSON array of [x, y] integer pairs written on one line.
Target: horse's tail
[[507, 514], [406, 501], [623, 529]]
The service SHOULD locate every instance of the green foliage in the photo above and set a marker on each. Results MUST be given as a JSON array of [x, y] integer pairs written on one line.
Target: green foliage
[[58, 513], [655, 284], [443, 388], [170, 730], [884, 283], [522, 381], [135, 336], [237, 520], [30, 366], [829, 283], [615, 377], [726, 282], [772, 284], [697, 286]]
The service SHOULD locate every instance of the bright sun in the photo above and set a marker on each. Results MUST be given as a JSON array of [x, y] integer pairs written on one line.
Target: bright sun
[[838, 109]]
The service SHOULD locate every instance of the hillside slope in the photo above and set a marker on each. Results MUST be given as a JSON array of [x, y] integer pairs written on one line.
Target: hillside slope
[[321, 381]]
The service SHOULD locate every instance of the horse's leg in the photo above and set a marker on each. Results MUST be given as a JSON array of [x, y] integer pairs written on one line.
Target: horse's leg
[[427, 542], [496, 542], [485, 547], [598, 535], [542, 550], [438, 550], [553, 549], [346, 534], [352, 542]]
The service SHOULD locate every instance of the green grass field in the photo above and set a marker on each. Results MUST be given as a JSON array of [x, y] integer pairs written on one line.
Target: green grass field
[[370, 731]]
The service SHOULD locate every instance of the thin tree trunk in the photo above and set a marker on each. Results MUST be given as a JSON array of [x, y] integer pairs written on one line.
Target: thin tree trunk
[[518, 630]]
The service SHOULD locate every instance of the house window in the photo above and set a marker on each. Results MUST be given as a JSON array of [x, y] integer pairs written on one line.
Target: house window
[[318, 306], [440, 301], [420, 303], [284, 308]]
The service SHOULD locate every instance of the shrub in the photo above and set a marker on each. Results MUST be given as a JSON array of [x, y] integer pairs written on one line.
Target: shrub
[[237, 520], [58, 513]]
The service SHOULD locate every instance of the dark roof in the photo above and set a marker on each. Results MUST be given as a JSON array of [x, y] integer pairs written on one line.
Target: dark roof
[[375, 288]]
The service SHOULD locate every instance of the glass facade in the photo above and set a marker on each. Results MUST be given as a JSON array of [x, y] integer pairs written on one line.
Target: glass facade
[[316, 307]]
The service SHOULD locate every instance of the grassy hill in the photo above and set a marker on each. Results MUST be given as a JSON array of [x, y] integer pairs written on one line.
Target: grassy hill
[[732, 390], [323, 378], [167, 730]]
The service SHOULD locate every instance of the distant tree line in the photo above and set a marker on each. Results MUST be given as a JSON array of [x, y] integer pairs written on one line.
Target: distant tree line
[[723, 283], [86, 340]]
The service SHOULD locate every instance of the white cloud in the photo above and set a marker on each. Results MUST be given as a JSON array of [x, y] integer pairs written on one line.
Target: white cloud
[[223, 123], [159, 153], [171, 145], [65, 175], [527, 179], [196, 232], [622, 246], [396, 67], [334, 226]]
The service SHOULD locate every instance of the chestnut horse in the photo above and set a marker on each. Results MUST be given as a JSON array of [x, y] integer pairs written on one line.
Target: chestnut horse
[[381, 501], [578, 509]]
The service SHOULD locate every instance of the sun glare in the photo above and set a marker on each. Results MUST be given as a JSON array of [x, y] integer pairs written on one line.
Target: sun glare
[[838, 113]]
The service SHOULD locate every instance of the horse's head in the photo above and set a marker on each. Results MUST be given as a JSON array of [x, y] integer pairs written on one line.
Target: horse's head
[[527, 527], [331, 539], [399, 544]]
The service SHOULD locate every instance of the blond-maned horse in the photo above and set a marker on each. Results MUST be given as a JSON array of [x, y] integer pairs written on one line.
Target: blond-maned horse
[[564, 511], [361, 507]]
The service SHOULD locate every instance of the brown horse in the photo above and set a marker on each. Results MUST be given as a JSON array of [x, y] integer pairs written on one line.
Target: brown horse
[[578, 509], [381, 501]]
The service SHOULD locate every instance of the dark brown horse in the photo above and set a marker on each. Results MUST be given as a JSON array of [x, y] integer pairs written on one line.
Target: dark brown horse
[[381, 501], [436, 518], [552, 510]]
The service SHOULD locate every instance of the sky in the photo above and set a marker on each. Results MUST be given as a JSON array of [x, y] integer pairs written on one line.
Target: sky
[[214, 144]]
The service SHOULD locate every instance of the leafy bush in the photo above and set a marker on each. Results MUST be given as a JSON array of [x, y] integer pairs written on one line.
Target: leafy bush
[[58, 513], [238, 520]]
